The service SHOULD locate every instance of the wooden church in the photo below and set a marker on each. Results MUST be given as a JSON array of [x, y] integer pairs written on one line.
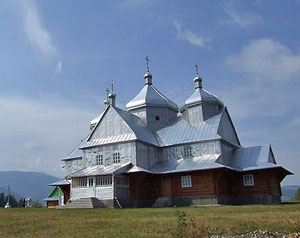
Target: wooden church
[[154, 153]]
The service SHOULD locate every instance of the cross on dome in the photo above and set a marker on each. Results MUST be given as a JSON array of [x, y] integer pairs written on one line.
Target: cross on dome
[[147, 63]]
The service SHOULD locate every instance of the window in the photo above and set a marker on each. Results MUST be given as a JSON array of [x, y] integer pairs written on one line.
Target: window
[[91, 182], [186, 181], [122, 180], [103, 181], [79, 182], [187, 151], [116, 158], [157, 118], [99, 159], [248, 180]]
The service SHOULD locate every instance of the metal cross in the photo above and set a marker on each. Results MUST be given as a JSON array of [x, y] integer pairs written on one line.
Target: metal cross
[[112, 86], [147, 63], [196, 66]]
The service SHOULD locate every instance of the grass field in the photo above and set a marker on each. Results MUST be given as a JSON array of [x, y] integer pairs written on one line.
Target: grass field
[[146, 222]]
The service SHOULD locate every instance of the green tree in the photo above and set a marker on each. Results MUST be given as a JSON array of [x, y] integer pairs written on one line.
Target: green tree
[[2, 200], [297, 195]]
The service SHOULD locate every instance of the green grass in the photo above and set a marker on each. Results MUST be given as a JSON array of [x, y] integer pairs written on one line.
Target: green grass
[[146, 222]]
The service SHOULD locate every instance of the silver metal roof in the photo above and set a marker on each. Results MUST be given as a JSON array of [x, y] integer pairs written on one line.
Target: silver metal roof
[[99, 170], [75, 153], [180, 131], [51, 199], [182, 165], [150, 96], [60, 182], [201, 95], [138, 127], [97, 119], [108, 140], [252, 158]]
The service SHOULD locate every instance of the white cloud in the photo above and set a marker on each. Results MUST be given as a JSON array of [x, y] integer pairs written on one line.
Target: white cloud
[[36, 134], [39, 37], [264, 100], [240, 19], [37, 34], [191, 37], [58, 67], [268, 59]]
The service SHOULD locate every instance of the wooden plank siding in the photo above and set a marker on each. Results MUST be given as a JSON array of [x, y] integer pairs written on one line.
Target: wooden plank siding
[[218, 182], [202, 184], [266, 182], [52, 204]]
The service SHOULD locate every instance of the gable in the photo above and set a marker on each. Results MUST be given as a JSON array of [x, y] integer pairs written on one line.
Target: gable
[[110, 125], [271, 158], [226, 129]]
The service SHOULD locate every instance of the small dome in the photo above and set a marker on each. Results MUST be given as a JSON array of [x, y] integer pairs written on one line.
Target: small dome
[[200, 95], [150, 96]]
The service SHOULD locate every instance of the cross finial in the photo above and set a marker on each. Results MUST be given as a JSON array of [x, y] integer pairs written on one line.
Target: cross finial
[[112, 86], [147, 63], [107, 92], [197, 72]]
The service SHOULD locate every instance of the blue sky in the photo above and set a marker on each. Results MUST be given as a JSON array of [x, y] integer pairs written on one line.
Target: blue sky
[[58, 57]]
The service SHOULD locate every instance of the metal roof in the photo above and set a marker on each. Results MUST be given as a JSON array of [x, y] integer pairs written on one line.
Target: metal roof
[[180, 131], [51, 199], [75, 153], [99, 170], [150, 96], [97, 119], [253, 158], [201, 95], [138, 127], [60, 182], [182, 165], [108, 140]]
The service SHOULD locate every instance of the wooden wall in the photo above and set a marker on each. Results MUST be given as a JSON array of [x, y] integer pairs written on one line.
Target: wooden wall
[[219, 182], [52, 204]]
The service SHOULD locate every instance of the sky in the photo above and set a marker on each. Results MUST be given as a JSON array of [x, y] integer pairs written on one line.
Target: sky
[[59, 56]]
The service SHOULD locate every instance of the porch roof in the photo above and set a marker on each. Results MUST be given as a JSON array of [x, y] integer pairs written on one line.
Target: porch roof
[[60, 182], [100, 170]]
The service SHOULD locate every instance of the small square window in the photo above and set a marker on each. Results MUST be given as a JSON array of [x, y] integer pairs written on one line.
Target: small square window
[[99, 159], [248, 180], [187, 151], [116, 158], [186, 181]]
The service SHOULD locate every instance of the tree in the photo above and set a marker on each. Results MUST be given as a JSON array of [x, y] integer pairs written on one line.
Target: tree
[[2, 200], [297, 195]]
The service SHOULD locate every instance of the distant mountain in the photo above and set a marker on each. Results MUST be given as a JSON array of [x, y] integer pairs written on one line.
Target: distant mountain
[[27, 184], [288, 192]]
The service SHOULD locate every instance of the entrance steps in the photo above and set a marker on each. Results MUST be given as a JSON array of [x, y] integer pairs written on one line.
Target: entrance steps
[[90, 202]]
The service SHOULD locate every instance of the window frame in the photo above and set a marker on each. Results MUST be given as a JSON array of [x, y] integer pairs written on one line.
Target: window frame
[[248, 180], [186, 181], [99, 159], [116, 158], [103, 181], [187, 151]]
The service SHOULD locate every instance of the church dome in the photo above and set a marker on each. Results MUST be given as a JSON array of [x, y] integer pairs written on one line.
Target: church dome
[[150, 96], [200, 96]]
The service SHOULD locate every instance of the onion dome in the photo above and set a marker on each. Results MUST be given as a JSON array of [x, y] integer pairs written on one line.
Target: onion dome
[[200, 95], [150, 96]]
